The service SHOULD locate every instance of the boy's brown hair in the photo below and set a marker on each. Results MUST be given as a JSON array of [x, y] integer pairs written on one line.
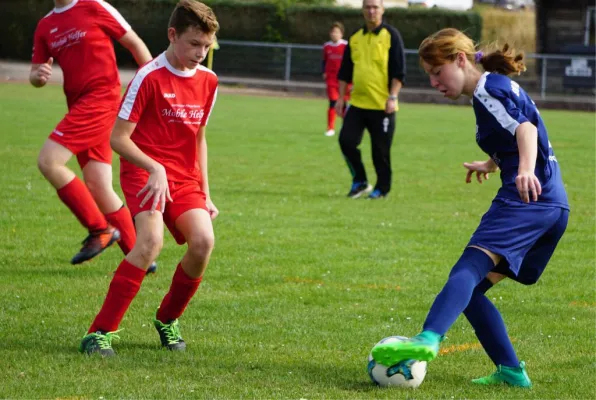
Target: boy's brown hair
[[193, 14], [337, 25]]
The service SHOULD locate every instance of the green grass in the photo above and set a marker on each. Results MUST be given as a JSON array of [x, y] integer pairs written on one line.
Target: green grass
[[302, 281]]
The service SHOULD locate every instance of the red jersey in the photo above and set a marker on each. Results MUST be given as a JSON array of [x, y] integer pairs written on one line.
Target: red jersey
[[332, 55], [79, 37], [169, 106]]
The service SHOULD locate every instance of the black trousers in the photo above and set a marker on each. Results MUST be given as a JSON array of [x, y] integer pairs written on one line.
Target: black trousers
[[381, 127]]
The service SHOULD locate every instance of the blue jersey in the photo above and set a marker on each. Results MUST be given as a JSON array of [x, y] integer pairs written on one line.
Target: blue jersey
[[501, 106]]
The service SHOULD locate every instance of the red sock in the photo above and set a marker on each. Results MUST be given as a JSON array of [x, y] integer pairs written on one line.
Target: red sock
[[330, 118], [122, 220], [181, 291], [78, 199], [123, 288]]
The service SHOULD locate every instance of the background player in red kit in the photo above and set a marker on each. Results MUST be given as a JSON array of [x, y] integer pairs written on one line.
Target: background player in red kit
[[333, 52], [78, 35], [160, 136]]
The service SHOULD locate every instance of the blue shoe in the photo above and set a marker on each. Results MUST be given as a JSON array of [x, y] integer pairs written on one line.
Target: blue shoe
[[376, 194], [358, 189], [511, 376]]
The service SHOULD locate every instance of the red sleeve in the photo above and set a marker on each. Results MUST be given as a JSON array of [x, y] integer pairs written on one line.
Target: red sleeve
[[138, 94], [324, 53], [111, 21], [210, 103], [41, 54]]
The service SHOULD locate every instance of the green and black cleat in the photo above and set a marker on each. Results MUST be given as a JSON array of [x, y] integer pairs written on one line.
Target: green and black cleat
[[98, 342], [169, 334]]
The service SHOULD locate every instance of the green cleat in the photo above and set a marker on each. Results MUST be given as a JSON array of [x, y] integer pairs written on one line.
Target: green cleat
[[422, 347], [512, 376], [169, 334], [98, 342]]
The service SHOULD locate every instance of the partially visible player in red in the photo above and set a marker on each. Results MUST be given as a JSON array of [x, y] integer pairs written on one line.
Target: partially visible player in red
[[160, 136], [78, 34], [333, 52]]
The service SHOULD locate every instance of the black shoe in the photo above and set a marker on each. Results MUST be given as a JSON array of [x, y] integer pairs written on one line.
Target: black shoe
[[98, 342], [169, 334], [358, 189], [95, 243]]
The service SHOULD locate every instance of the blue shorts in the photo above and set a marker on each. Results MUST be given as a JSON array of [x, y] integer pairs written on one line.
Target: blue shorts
[[525, 235]]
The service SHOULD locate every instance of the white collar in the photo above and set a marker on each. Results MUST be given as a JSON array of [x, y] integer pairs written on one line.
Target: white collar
[[65, 8]]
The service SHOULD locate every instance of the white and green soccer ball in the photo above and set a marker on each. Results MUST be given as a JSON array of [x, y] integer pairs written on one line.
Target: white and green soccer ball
[[407, 373]]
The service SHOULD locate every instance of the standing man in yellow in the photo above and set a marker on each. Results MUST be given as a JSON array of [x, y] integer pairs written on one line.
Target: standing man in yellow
[[374, 62]]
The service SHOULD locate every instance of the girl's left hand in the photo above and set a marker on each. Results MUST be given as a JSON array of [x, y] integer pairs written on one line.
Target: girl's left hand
[[213, 211], [526, 183]]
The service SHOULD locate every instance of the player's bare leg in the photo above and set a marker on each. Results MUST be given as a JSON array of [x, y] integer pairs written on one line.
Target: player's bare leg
[[98, 178], [197, 228], [51, 162]]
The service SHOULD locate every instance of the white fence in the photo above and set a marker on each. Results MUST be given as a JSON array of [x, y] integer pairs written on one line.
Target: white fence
[[547, 74]]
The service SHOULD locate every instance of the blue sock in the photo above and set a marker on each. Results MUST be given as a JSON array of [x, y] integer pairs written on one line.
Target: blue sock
[[490, 328], [469, 270]]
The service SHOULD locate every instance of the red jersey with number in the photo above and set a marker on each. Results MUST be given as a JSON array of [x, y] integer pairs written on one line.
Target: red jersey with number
[[332, 55], [169, 106], [79, 38]]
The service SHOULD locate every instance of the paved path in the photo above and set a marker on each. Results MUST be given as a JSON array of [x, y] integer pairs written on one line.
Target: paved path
[[19, 72]]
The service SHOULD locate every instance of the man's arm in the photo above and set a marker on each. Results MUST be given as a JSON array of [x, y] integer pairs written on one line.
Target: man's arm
[[346, 71], [397, 62], [133, 43]]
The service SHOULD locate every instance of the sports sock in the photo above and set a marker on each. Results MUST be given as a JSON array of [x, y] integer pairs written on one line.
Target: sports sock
[[123, 288], [331, 118], [469, 270], [122, 220], [490, 327], [78, 199], [181, 291]]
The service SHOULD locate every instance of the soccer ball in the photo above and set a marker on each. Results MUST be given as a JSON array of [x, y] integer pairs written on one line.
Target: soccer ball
[[407, 373]]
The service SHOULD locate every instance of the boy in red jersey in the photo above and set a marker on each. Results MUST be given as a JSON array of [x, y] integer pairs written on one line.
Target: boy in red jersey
[[160, 136], [333, 52], [78, 35]]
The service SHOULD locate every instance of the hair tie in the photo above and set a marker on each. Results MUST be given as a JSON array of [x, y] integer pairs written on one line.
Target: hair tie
[[478, 56]]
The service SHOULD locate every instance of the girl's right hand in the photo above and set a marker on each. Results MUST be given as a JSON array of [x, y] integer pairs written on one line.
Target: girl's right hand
[[156, 187], [482, 169]]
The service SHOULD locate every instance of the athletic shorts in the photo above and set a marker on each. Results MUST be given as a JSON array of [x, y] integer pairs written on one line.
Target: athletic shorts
[[333, 91], [86, 128], [185, 195], [525, 235]]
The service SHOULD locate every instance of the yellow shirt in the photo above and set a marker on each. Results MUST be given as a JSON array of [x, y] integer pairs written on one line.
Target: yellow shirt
[[371, 60]]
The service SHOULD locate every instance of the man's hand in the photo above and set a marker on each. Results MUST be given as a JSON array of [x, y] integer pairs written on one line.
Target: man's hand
[[339, 107]]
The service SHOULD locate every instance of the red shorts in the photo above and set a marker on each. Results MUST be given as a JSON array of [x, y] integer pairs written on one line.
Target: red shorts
[[185, 195], [333, 91], [86, 128]]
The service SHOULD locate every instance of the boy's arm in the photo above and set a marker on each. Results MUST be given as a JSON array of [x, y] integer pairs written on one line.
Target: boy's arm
[[157, 184], [124, 146], [202, 150], [40, 73], [133, 43]]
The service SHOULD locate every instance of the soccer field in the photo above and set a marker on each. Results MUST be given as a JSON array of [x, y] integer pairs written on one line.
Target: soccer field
[[302, 281]]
